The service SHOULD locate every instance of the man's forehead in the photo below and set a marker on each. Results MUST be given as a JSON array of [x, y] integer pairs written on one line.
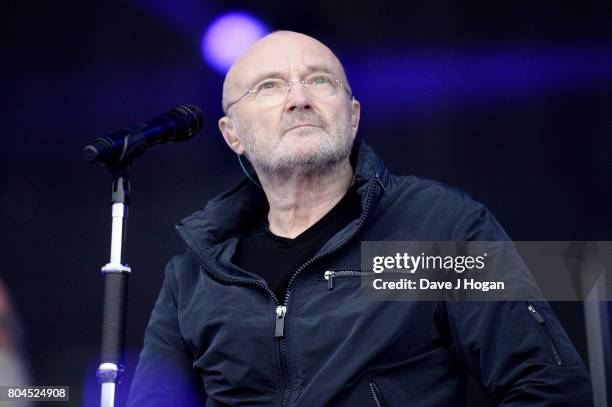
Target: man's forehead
[[283, 54]]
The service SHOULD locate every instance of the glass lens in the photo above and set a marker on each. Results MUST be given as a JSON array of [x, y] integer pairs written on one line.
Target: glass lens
[[322, 86], [271, 87]]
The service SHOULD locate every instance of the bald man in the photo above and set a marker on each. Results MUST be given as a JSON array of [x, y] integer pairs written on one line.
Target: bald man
[[299, 149], [264, 307]]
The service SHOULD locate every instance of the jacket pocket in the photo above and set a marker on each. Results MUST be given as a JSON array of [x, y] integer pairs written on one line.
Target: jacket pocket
[[332, 275], [548, 337], [377, 395]]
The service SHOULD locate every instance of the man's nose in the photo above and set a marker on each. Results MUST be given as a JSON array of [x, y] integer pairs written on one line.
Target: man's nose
[[298, 97]]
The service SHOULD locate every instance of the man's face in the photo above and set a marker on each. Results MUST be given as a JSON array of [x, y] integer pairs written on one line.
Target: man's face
[[299, 130]]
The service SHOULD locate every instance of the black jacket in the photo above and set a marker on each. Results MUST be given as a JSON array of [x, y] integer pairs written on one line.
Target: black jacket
[[219, 333]]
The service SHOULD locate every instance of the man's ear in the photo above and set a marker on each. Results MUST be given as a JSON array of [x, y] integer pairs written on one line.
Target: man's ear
[[229, 135], [355, 115]]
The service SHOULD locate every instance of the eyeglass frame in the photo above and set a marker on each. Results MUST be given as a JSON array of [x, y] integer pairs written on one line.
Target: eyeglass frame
[[301, 81]]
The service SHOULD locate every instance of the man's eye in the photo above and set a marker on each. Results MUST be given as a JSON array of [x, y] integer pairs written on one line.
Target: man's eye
[[320, 80], [269, 85]]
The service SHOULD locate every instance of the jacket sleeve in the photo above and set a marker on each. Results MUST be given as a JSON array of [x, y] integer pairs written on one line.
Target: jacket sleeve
[[518, 351], [518, 360], [164, 375]]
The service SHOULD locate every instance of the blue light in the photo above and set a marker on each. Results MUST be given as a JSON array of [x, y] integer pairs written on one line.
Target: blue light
[[396, 81], [228, 37]]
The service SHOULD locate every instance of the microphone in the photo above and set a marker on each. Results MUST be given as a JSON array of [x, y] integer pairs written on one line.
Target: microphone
[[120, 148]]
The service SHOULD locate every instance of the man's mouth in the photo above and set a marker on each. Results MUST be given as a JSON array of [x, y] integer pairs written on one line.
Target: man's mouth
[[299, 126]]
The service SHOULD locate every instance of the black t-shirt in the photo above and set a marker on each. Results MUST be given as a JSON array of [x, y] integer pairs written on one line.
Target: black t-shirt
[[275, 258]]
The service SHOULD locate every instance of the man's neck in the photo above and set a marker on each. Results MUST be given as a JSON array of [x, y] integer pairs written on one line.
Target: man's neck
[[298, 200]]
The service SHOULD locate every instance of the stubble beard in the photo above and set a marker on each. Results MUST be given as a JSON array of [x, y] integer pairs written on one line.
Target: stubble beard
[[275, 159]]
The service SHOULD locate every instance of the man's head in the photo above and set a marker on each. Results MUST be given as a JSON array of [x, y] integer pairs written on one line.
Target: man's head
[[297, 130]]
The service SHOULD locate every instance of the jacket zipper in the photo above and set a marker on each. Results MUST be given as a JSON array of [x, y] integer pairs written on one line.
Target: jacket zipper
[[378, 396], [281, 310], [547, 335], [279, 332], [330, 275]]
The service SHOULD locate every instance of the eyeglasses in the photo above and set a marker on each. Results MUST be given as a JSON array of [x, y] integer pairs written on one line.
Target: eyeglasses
[[274, 90]]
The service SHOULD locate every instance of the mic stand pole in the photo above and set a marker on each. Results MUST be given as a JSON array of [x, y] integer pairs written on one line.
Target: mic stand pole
[[116, 276]]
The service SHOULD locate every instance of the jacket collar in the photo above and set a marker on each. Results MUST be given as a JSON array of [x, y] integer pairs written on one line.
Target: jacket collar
[[224, 217]]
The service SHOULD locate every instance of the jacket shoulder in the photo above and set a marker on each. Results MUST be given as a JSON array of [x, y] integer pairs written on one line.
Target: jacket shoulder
[[423, 189], [183, 269], [443, 212]]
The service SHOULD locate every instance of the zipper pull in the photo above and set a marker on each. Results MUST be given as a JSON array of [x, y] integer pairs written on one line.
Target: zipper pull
[[281, 310], [536, 314], [329, 276]]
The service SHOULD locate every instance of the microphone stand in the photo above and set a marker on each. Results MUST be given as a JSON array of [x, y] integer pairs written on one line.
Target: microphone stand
[[116, 275], [117, 152]]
